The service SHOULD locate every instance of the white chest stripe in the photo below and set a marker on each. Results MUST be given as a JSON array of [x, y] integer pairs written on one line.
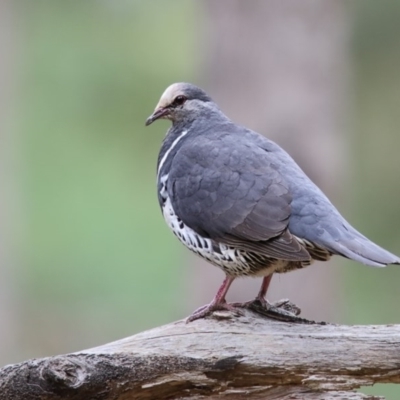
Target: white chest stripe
[[174, 143]]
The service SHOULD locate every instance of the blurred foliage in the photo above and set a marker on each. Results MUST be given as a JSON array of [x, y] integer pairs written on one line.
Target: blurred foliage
[[100, 264], [375, 162]]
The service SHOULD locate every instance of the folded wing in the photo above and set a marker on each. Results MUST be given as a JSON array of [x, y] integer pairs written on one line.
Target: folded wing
[[234, 196]]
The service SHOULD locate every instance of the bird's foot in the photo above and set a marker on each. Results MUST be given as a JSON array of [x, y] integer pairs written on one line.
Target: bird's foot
[[283, 310], [209, 309]]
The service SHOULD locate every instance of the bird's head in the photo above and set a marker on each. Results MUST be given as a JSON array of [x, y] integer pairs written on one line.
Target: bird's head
[[179, 101]]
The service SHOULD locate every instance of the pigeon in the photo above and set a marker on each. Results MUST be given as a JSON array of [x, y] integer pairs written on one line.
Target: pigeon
[[238, 200]]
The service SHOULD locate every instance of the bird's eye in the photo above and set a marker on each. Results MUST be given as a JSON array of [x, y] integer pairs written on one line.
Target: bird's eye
[[179, 100]]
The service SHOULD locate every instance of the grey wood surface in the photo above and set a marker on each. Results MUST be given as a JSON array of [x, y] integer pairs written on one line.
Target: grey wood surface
[[223, 357]]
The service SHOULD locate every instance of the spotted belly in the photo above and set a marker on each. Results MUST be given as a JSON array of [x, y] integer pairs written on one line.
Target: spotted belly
[[231, 260]]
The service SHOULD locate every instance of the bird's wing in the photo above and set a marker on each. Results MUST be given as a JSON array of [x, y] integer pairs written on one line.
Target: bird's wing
[[230, 191]]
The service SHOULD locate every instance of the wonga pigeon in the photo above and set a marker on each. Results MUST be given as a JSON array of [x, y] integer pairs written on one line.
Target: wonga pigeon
[[241, 202]]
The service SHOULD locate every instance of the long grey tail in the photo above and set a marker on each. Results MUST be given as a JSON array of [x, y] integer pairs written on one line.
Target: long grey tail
[[361, 249]]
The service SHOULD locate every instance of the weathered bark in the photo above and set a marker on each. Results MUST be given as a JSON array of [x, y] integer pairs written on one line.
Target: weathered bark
[[280, 68], [225, 357]]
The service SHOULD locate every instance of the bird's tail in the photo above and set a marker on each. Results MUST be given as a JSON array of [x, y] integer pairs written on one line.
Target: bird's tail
[[361, 249]]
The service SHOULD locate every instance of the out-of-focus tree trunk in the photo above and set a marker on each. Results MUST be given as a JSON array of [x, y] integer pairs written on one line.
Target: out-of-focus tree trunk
[[7, 295], [280, 68]]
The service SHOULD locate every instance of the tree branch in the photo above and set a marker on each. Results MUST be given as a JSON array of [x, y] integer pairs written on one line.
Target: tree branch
[[224, 357]]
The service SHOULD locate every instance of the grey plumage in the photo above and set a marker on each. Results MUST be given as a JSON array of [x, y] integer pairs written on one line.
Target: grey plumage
[[238, 189]]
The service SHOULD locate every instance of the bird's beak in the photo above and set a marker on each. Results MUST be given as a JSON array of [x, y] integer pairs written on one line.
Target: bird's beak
[[158, 113]]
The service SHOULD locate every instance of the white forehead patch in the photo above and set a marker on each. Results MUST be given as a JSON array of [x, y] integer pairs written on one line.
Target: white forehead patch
[[169, 95]]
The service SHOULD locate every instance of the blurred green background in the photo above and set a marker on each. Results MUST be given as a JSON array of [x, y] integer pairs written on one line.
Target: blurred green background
[[92, 258]]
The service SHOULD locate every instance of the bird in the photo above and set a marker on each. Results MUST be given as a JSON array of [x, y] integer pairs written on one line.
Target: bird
[[241, 202]]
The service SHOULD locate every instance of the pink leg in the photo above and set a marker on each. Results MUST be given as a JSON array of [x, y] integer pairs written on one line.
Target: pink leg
[[223, 290], [260, 296], [263, 290], [281, 304], [218, 302]]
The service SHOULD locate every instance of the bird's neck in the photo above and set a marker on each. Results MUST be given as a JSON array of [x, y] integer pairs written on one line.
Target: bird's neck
[[170, 145], [182, 129]]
